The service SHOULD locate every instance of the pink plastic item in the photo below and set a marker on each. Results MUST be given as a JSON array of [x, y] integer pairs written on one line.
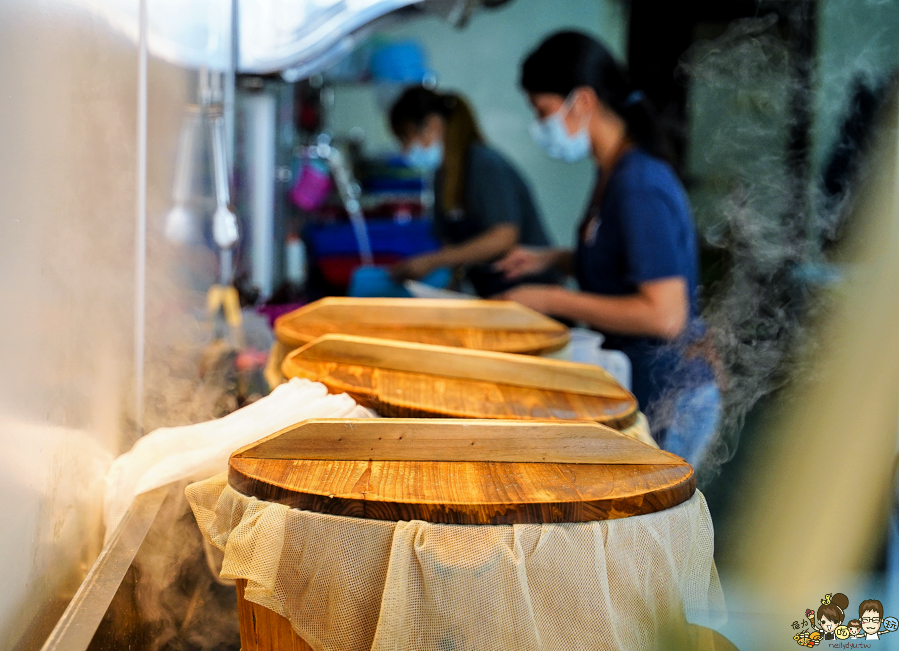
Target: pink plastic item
[[312, 187]]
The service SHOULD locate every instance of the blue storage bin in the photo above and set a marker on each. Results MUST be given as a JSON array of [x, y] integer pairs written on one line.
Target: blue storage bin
[[402, 239], [375, 282]]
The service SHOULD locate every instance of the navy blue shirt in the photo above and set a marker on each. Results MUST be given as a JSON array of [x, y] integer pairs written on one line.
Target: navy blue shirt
[[642, 230]]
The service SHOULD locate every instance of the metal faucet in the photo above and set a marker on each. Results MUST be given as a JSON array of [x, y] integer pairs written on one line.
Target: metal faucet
[[348, 189]]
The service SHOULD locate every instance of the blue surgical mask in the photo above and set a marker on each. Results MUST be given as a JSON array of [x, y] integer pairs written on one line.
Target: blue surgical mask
[[552, 136], [425, 158]]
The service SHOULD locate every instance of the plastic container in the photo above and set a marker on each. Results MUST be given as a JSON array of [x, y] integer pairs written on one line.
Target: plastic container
[[375, 282], [313, 186]]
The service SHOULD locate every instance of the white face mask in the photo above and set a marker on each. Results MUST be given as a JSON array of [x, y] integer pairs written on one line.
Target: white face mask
[[425, 158], [552, 136]]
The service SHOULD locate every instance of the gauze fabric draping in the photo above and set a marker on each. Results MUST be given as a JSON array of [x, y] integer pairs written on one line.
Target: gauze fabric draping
[[351, 584], [199, 451]]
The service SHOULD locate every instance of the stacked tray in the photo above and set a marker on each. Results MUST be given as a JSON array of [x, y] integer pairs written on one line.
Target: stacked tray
[[502, 326], [402, 379]]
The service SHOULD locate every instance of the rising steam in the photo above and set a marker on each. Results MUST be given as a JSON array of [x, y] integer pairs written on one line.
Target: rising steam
[[763, 214]]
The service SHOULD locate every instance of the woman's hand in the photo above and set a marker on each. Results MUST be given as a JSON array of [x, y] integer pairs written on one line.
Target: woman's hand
[[525, 261], [414, 268]]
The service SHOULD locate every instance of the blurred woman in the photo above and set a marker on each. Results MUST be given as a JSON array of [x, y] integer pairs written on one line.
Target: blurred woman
[[482, 206], [636, 254]]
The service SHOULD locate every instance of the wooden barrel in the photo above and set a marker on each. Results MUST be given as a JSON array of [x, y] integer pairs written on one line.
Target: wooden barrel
[[399, 379], [450, 471], [503, 326]]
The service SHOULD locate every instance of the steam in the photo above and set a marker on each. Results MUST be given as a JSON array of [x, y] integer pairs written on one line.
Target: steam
[[170, 599], [771, 227]]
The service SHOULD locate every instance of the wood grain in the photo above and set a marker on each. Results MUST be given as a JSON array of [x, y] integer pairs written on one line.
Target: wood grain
[[409, 439], [464, 493], [467, 492], [503, 326], [418, 380], [446, 361], [264, 630]]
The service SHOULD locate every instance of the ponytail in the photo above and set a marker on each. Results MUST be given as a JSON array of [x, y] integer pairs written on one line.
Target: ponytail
[[462, 131], [568, 60], [642, 124], [409, 114]]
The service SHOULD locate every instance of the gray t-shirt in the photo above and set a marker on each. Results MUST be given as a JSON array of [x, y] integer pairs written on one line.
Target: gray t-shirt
[[495, 193]]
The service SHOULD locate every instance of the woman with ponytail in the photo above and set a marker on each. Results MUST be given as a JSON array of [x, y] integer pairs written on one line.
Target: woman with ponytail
[[636, 254], [483, 208]]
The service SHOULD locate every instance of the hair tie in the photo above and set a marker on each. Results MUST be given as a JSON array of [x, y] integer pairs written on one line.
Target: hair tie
[[634, 98]]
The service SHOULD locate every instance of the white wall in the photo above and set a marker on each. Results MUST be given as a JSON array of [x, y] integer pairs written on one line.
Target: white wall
[[68, 214], [68, 124], [482, 61]]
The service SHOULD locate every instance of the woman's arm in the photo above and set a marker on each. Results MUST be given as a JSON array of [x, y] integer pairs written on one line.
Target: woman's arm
[[487, 246], [659, 308], [526, 260]]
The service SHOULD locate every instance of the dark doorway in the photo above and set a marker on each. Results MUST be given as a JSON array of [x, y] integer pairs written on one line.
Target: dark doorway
[[662, 31]]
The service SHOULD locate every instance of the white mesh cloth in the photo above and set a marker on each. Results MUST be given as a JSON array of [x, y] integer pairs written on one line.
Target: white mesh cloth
[[199, 451], [350, 584]]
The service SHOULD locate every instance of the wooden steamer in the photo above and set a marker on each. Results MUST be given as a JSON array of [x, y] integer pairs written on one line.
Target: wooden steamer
[[503, 326], [482, 472], [400, 379]]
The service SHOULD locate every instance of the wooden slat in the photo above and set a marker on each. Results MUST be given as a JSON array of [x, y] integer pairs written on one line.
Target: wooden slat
[[401, 394], [461, 471], [484, 325], [397, 439], [448, 313], [465, 492], [445, 361]]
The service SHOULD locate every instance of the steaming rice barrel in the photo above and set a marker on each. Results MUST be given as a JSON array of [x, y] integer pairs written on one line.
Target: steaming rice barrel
[[345, 532]]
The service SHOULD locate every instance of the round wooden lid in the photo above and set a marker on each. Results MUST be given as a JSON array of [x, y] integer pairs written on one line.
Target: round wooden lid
[[503, 326], [461, 471], [419, 380]]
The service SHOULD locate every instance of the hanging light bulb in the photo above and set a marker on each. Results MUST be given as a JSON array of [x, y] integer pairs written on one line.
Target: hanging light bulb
[[181, 224], [224, 221]]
